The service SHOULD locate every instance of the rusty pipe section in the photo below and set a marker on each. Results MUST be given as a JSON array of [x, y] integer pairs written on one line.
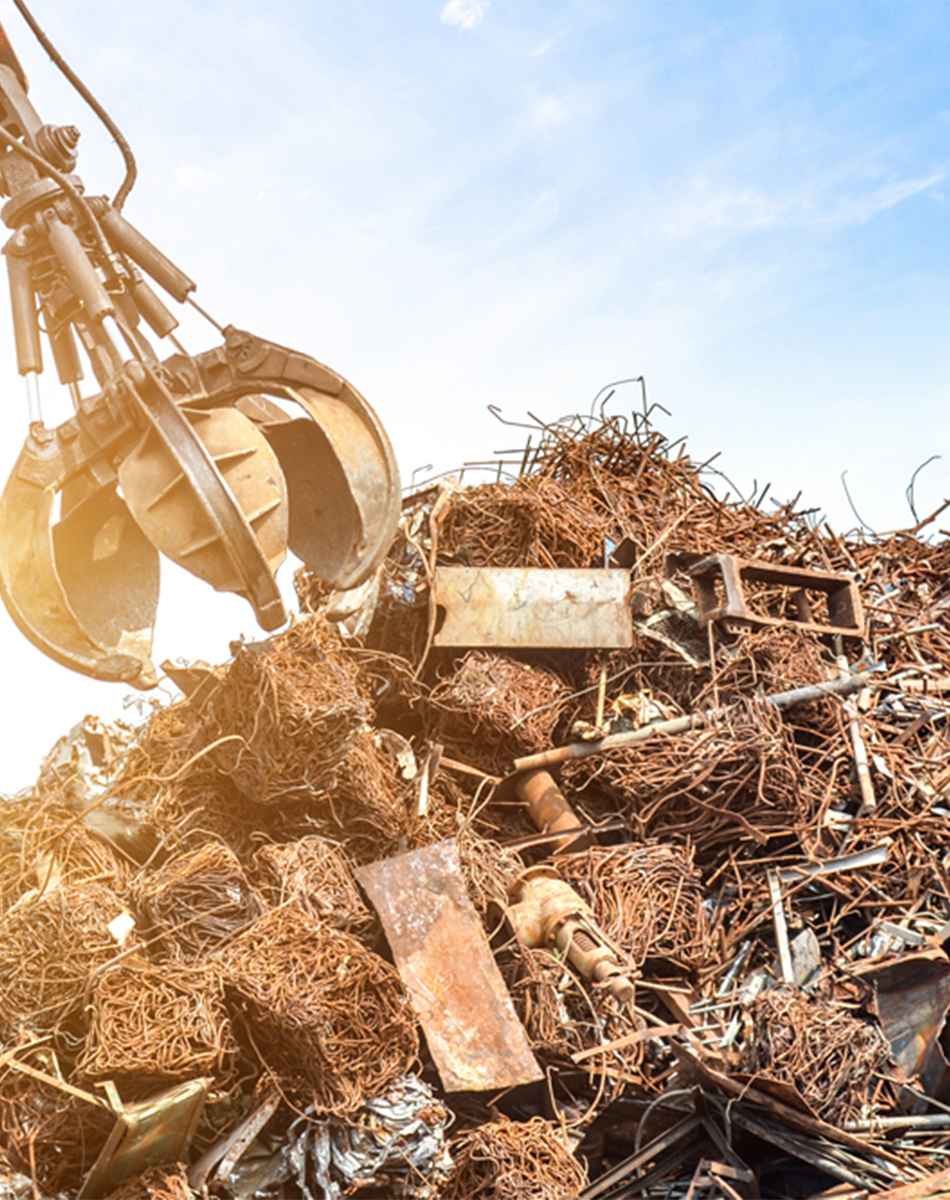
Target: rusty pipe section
[[550, 810], [546, 913]]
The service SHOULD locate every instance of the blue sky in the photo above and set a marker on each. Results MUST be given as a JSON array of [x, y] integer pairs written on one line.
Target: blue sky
[[461, 204]]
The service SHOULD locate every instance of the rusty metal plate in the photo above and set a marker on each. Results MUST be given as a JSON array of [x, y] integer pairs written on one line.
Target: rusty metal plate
[[534, 607], [441, 952], [912, 998]]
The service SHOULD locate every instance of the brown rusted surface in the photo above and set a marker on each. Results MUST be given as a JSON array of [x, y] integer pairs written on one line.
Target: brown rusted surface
[[443, 957], [550, 809], [912, 996], [845, 614], [507, 606]]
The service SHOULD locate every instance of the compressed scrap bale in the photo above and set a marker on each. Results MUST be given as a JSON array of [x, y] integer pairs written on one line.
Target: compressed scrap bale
[[513, 1160], [494, 708], [367, 805], [365, 809], [51, 944], [316, 875], [50, 1134], [647, 899], [328, 1017], [196, 901], [289, 712], [738, 780], [56, 842], [827, 1054], [532, 522], [157, 1025]]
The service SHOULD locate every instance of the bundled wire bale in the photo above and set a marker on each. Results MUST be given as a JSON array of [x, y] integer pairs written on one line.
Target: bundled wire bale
[[196, 901], [51, 1134], [647, 899], [532, 522], [317, 877], [286, 714], [777, 660], [151, 1025], [57, 844], [738, 780], [51, 945], [329, 1018], [827, 1054], [513, 1160], [494, 708], [366, 809]]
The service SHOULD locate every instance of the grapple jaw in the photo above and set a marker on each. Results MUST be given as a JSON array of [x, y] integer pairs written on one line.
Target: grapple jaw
[[197, 458], [220, 461]]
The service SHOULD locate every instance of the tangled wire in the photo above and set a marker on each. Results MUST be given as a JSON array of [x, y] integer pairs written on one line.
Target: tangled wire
[[562, 1015], [326, 1015], [647, 899], [52, 1135], [51, 943], [285, 715], [513, 1160], [494, 708], [196, 901], [828, 1055], [738, 780], [152, 1026], [316, 875]]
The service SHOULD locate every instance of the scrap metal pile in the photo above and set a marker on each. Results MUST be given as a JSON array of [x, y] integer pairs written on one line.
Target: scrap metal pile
[[598, 849]]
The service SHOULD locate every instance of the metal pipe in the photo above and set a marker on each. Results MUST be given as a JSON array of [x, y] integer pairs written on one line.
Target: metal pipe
[[550, 810], [26, 325], [802, 695], [127, 239], [80, 272]]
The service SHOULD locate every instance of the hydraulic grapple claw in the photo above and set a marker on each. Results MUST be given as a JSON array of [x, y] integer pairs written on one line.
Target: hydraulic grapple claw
[[220, 461]]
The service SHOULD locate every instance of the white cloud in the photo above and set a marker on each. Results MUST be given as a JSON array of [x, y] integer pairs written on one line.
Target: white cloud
[[466, 14], [547, 111]]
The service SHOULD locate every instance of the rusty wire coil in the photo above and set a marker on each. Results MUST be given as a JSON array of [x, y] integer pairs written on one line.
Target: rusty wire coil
[[647, 899], [493, 708], [327, 1016], [290, 711], [316, 875], [51, 944], [513, 1160], [827, 1054], [196, 901], [738, 780], [156, 1025]]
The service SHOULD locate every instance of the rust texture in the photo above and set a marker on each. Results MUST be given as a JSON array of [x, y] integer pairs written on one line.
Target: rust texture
[[771, 882]]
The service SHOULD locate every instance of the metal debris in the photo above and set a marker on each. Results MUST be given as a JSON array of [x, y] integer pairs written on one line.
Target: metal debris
[[735, 983]]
